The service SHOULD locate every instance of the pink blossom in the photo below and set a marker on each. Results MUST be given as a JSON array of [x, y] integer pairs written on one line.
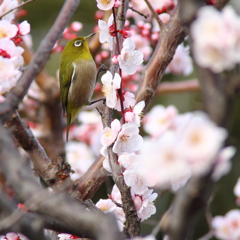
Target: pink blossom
[[164, 17], [159, 119], [144, 203], [79, 157], [110, 134], [117, 3], [128, 139], [223, 164], [106, 164], [200, 143], [126, 159], [135, 114], [8, 74], [66, 236], [76, 26], [105, 4], [7, 5], [163, 163], [181, 62], [23, 28], [128, 101], [211, 25], [134, 179], [14, 51], [236, 191], [105, 35], [110, 85], [7, 30], [130, 59], [228, 226]]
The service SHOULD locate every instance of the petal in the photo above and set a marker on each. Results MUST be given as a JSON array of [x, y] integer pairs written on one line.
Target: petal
[[117, 81], [106, 78], [129, 43]]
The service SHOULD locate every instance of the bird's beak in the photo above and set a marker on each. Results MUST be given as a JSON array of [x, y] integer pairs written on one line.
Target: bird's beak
[[89, 36]]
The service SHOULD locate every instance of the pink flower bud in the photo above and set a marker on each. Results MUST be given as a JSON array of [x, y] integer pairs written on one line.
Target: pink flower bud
[[117, 3], [76, 26], [115, 59]]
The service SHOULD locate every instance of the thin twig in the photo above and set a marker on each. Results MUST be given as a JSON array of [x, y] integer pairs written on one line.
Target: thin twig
[[141, 14], [20, 5], [182, 86], [155, 15]]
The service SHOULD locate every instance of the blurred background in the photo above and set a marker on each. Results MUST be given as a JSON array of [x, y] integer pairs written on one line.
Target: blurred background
[[42, 14]]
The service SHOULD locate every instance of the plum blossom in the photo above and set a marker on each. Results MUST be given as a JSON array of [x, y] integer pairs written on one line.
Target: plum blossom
[[159, 119], [126, 159], [79, 157], [7, 30], [23, 28], [236, 191], [130, 59], [76, 26], [8, 74], [216, 38], [110, 85], [128, 101], [181, 62], [105, 4], [66, 236], [228, 226], [135, 179], [14, 52], [200, 142], [163, 163], [135, 114], [110, 134], [106, 164], [107, 205], [144, 203], [104, 35], [223, 164], [128, 139]]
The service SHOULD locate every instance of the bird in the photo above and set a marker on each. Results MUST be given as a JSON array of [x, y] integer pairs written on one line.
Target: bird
[[77, 77]]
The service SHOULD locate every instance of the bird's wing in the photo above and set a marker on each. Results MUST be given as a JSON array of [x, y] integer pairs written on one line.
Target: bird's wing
[[66, 78]]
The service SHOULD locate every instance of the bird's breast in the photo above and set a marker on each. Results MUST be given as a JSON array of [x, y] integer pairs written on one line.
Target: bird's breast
[[82, 83]]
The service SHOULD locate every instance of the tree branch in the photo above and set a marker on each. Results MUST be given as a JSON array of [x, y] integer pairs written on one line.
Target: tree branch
[[56, 206]]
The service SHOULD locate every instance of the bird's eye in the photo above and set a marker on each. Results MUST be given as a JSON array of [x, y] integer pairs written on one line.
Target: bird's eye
[[77, 43]]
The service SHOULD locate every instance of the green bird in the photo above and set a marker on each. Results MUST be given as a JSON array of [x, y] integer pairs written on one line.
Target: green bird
[[77, 77]]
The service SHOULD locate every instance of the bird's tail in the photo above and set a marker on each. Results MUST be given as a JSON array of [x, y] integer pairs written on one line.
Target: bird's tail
[[69, 120]]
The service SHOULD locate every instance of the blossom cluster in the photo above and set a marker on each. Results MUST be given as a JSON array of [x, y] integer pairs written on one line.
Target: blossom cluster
[[141, 35], [216, 38], [10, 53], [181, 146]]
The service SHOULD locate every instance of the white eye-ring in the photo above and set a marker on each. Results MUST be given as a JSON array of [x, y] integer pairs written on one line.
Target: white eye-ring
[[77, 43]]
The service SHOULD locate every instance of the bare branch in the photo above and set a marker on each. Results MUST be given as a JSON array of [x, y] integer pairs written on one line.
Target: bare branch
[[42, 164], [56, 206], [183, 86]]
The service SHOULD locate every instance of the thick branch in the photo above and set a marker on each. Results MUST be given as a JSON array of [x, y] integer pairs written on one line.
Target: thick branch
[[59, 206], [24, 137], [16, 94]]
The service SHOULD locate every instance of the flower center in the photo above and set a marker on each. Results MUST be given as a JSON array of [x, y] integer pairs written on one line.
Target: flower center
[[3, 33], [105, 2]]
